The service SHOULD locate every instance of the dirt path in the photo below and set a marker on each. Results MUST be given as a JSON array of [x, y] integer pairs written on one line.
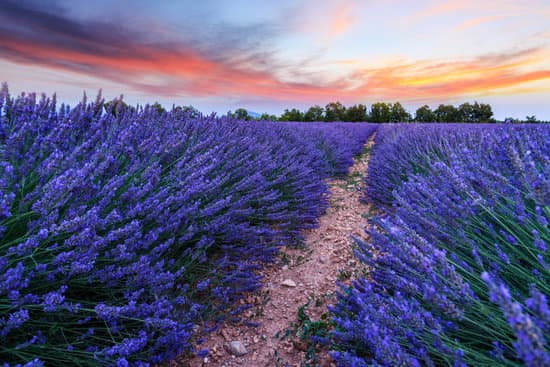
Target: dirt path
[[298, 287]]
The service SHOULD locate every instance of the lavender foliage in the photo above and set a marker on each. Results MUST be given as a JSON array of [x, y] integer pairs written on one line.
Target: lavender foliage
[[458, 262], [120, 231]]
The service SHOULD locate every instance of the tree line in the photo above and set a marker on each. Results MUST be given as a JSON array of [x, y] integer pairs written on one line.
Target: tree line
[[381, 112], [378, 112], [388, 112]]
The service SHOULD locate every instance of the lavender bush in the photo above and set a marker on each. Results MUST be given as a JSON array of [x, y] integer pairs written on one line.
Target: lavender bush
[[402, 151], [459, 263], [120, 231]]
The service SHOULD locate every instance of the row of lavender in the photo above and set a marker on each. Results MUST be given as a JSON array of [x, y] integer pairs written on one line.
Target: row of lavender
[[458, 262], [120, 232]]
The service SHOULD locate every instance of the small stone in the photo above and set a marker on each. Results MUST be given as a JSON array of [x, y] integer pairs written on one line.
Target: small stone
[[289, 283], [236, 348], [285, 267]]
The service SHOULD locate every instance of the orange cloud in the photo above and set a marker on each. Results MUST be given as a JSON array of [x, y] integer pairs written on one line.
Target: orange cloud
[[471, 23], [182, 71], [340, 20], [485, 11], [325, 20], [438, 9], [428, 80]]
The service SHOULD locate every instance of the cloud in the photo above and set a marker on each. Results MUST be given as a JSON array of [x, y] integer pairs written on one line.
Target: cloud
[[340, 19], [217, 61], [436, 9], [323, 20], [430, 79], [484, 11], [237, 62], [542, 35], [474, 22]]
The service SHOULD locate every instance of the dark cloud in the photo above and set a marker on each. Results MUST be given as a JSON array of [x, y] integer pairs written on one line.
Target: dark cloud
[[212, 59], [28, 22], [208, 57], [46, 25]]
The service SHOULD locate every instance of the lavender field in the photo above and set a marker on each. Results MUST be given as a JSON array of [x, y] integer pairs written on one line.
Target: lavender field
[[291, 183], [125, 232], [121, 231], [458, 257]]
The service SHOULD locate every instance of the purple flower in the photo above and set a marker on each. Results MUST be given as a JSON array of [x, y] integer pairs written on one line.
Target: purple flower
[[13, 321], [117, 208], [530, 343], [459, 206], [54, 299]]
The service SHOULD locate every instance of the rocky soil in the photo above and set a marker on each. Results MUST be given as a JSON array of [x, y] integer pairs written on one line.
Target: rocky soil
[[297, 288]]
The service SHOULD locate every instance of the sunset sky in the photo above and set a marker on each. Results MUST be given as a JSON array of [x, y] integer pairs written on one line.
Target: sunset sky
[[265, 55]]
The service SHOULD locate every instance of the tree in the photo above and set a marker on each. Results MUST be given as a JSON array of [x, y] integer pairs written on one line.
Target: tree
[[267, 117], [314, 113], [398, 113], [531, 119], [446, 113], [424, 114], [157, 106], [356, 113], [188, 110], [466, 113], [380, 112], [482, 112], [335, 111], [242, 114], [292, 115]]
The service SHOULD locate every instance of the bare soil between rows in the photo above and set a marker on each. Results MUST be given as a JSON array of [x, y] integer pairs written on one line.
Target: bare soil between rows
[[302, 282]]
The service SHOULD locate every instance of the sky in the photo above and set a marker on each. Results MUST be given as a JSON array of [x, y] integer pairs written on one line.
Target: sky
[[266, 55]]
